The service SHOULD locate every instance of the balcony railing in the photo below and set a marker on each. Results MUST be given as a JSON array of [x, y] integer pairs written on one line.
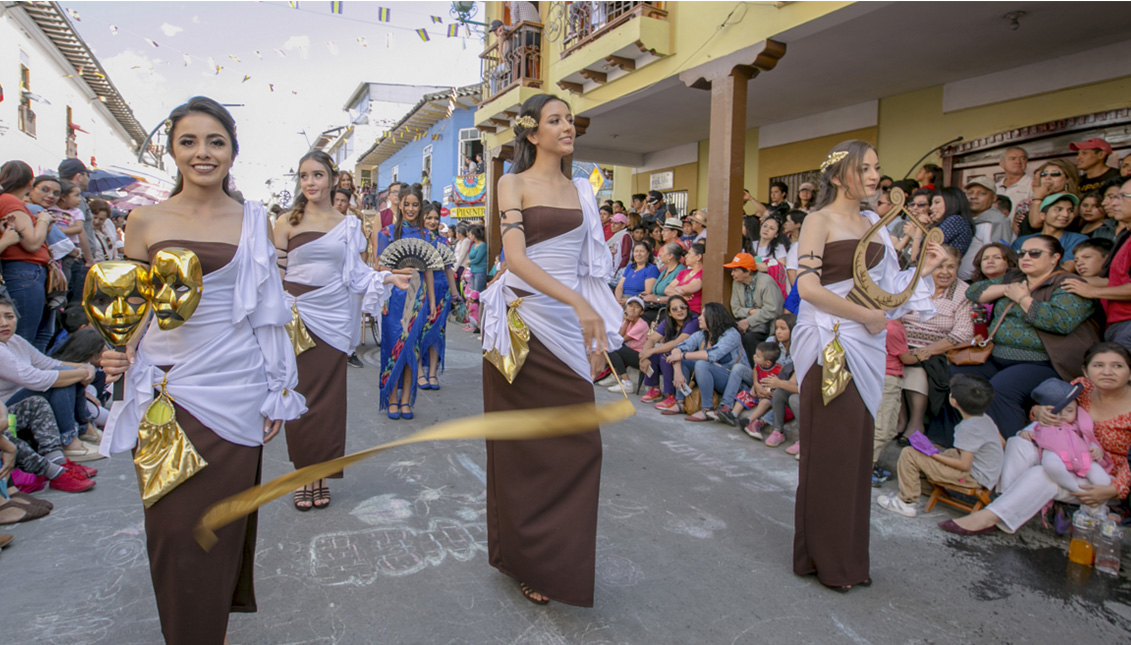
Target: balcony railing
[[27, 120], [587, 21], [514, 60]]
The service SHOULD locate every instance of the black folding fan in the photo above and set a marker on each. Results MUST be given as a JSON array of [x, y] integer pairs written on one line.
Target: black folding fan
[[411, 253]]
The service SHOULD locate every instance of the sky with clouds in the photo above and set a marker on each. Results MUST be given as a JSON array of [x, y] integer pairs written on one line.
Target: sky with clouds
[[285, 70]]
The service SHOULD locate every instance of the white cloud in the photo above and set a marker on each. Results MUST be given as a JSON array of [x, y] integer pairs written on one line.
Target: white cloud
[[171, 30], [301, 43]]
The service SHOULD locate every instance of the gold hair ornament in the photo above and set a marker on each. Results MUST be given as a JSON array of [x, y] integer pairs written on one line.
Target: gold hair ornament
[[834, 157], [168, 127], [527, 122]]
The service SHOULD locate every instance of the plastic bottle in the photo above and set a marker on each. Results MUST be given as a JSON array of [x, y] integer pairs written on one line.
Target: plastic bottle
[[1081, 549], [1108, 543]]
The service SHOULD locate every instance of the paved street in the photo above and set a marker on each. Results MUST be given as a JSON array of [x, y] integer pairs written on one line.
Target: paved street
[[694, 544]]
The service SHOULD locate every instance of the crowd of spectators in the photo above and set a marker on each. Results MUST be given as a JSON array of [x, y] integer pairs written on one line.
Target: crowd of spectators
[[52, 392], [1038, 268]]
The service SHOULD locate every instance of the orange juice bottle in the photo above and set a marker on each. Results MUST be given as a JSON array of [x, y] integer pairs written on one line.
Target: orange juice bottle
[[1080, 548]]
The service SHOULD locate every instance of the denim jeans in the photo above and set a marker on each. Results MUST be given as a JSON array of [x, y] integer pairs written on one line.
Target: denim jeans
[[27, 283], [68, 404], [741, 376], [75, 268], [710, 377], [478, 281]]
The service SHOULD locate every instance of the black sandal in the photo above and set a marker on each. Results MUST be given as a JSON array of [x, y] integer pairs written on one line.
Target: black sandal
[[528, 593], [846, 588], [304, 496], [321, 493]]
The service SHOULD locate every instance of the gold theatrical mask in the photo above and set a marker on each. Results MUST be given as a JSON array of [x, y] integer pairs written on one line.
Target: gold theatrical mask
[[116, 299], [175, 279]]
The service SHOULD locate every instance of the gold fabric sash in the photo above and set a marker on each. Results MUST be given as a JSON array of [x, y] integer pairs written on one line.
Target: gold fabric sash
[[510, 364], [164, 458], [494, 426], [296, 331], [834, 375]]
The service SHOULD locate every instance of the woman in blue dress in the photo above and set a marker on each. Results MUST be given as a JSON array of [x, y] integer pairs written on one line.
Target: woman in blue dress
[[434, 337], [405, 314]]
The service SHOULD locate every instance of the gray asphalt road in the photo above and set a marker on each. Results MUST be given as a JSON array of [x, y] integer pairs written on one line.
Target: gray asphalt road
[[694, 544]]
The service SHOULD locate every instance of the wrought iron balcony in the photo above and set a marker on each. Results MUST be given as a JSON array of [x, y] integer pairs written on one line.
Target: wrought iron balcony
[[587, 21], [513, 61]]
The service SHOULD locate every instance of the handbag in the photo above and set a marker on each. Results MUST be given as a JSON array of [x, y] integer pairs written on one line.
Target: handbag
[[164, 457], [977, 352]]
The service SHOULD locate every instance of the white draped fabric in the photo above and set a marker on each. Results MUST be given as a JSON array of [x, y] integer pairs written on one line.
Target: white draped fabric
[[864, 352], [347, 286], [233, 364], [553, 322]]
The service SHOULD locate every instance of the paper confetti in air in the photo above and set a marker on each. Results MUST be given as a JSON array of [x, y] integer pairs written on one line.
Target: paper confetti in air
[[233, 57], [74, 14], [188, 59], [154, 44], [258, 55], [361, 41], [281, 53], [113, 30]]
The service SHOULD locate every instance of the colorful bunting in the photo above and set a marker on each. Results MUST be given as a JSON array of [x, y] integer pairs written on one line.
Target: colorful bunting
[[437, 20], [234, 57], [453, 31], [155, 45], [74, 14], [281, 53], [423, 33], [271, 86], [113, 30], [383, 14], [335, 7], [294, 4], [188, 59], [361, 41]]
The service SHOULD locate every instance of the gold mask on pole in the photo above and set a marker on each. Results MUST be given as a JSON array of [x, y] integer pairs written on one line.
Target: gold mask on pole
[[116, 299], [176, 278]]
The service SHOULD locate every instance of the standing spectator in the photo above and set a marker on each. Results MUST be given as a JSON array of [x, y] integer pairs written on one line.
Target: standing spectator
[[1091, 160], [1091, 254], [1094, 222], [748, 199], [1059, 212], [930, 176], [1015, 184], [993, 261], [1125, 165], [980, 195], [620, 243], [950, 213], [655, 209], [25, 263], [807, 194], [699, 225], [778, 205], [105, 234], [637, 203], [477, 259], [887, 419], [1056, 176], [755, 301]]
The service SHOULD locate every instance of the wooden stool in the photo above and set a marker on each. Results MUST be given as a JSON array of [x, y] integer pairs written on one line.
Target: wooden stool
[[942, 493]]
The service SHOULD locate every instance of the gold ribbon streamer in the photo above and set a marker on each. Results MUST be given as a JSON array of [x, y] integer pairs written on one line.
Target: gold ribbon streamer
[[494, 426]]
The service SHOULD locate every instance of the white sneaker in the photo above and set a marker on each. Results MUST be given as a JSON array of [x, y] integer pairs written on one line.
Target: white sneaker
[[615, 387], [896, 505], [607, 381]]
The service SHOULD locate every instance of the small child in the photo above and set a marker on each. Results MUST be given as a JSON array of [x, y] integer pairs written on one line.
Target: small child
[[976, 458], [1090, 256], [887, 420], [759, 399], [472, 311], [1069, 450]]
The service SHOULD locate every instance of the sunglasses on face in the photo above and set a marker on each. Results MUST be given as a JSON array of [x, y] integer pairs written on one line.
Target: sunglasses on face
[[1056, 173], [677, 308], [1033, 253], [919, 204]]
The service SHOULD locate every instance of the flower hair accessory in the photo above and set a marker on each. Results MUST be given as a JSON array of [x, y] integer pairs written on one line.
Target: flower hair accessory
[[834, 157], [526, 121], [168, 127], [333, 167]]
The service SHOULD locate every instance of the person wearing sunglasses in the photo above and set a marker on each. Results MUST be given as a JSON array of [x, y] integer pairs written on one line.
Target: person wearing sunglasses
[[1039, 330], [1055, 176]]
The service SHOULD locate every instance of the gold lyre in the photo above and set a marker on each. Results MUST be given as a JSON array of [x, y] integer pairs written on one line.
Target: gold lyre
[[865, 292]]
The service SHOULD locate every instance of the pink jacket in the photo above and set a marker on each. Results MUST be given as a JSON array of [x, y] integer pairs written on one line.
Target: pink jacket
[[1071, 442]]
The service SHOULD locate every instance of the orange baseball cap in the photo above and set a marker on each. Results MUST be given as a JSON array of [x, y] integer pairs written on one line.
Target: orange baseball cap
[[742, 261]]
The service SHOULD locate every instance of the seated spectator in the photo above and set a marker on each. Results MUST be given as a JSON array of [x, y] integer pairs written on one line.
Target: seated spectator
[[671, 266], [634, 331], [758, 399], [699, 225], [887, 419], [918, 207], [783, 386], [1125, 165], [656, 234], [1056, 176], [792, 230], [806, 195], [677, 325], [85, 346], [620, 244], [1015, 185], [688, 237], [992, 261], [1091, 161], [1091, 254], [778, 205], [928, 379], [981, 196], [1005, 205], [755, 300], [1044, 329], [639, 276], [770, 245], [1112, 204], [976, 458], [36, 425], [1093, 221], [709, 354], [672, 232], [636, 205], [25, 372], [1059, 211], [950, 212], [1025, 485], [689, 283]]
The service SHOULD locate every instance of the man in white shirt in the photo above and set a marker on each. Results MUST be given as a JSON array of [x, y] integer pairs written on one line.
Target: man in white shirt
[[1016, 185]]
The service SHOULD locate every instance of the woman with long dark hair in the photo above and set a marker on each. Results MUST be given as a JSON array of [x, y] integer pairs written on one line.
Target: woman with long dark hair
[[949, 211], [677, 325], [328, 287], [406, 312], [25, 262], [834, 480], [542, 495], [229, 370], [433, 338], [709, 354]]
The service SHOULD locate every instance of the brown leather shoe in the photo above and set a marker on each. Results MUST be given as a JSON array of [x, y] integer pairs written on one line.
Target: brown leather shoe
[[5, 540]]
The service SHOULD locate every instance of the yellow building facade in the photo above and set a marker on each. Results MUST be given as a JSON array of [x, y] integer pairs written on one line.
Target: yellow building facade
[[664, 91]]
